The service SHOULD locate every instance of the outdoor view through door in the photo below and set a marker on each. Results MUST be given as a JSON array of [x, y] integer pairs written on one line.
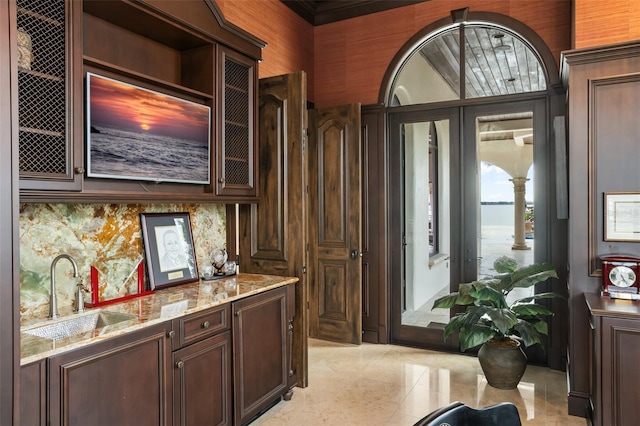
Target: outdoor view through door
[[461, 158], [426, 193], [505, 153]]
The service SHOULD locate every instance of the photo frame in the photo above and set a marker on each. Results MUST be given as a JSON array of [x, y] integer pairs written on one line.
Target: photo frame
[[169, 250], [622, 216], [134, 133]]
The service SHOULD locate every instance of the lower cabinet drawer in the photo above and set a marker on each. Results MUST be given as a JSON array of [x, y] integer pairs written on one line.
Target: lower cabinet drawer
[[201, 325]]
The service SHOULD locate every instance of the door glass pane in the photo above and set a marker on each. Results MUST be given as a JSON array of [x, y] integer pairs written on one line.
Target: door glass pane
[[496, 62], [432, 73], [425, 221], [505, 154]]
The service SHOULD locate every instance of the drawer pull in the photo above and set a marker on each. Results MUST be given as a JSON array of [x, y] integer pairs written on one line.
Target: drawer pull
[[180, 364], [205, 324], [171, 334]]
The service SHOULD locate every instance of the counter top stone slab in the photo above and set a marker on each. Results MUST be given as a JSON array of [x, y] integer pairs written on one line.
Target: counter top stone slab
[[162, 305]]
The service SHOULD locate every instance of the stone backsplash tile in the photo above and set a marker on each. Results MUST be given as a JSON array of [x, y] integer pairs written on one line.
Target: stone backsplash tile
[[106, 236]]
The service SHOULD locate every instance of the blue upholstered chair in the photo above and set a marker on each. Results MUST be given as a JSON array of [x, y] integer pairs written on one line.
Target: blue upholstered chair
[[458, 414]]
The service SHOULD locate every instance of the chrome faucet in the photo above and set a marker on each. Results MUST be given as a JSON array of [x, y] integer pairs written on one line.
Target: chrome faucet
[[53, 300]]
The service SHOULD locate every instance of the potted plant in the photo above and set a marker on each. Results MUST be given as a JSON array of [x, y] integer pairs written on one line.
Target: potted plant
[[501, 328]]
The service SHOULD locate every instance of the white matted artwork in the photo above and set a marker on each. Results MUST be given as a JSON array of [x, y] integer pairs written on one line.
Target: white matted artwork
[[622, 216]]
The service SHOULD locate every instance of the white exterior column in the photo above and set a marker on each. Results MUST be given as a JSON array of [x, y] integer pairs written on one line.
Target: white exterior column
[[519, 208]]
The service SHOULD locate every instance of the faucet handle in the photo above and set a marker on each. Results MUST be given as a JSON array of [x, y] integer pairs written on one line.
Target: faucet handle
[[81, 289]]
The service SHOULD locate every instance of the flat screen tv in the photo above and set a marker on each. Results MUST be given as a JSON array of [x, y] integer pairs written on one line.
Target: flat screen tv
[[139, 134]]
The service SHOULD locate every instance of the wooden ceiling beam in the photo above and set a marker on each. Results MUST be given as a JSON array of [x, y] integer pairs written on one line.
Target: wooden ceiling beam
[[319, 12]]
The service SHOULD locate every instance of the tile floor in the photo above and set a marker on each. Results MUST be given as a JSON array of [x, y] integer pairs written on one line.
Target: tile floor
[[395, 385]]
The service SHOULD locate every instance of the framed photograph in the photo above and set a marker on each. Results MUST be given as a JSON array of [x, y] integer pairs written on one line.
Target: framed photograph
[[168, 247], [139, 134], [622, 216]]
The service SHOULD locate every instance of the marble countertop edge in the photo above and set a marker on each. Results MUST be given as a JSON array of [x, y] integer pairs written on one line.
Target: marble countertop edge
[[162, 305]]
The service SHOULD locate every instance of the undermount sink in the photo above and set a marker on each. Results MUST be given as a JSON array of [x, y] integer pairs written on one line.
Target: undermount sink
[[77, 324]]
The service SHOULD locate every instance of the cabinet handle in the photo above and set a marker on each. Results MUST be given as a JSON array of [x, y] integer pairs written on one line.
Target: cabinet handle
[[221, 180], [238, 312], [171, 334], [79, 170], [180, 364], [205, 324]]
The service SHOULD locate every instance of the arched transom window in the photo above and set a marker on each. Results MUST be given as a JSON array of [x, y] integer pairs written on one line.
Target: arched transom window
[[495, 61]]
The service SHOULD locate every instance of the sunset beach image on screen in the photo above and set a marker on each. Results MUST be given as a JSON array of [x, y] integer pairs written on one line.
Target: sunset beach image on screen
[[139, 134]]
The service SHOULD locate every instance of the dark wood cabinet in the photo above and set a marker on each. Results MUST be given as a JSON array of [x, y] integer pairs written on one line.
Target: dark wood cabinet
[[236, 168], [180, 49], [187, 371], [202, 369], [49, 119], [202, 383], [126, 380], [33, 397], [603, 85], [261, 352], [613, 356]]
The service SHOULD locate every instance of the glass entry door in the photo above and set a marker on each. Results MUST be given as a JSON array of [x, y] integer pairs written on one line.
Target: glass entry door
[[423, 195], [449, 219]]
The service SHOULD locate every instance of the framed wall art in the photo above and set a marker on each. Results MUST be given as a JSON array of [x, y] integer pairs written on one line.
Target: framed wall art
[[622, 216], [168, 247]]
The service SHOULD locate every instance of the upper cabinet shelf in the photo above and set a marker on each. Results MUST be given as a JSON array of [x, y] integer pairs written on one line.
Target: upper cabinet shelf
[[187, 62]]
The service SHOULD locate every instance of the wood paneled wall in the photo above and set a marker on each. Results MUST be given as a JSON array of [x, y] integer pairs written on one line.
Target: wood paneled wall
[[289, 38], [352, 56], [595, 27]]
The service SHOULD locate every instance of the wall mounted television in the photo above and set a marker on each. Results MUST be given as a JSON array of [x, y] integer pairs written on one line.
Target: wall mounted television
[[139, 134]]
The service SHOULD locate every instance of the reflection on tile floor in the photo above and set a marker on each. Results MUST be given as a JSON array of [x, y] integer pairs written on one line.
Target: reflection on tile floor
[[396, 385]]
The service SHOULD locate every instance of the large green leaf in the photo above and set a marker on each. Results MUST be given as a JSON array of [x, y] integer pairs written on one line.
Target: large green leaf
[[502, 319], [455, 324], [460, 297], [505, 264], [538, 296], [530, 310], [446, 302], [529, 275], [484, 292], [475, 336], [528, 333], [541, 326]]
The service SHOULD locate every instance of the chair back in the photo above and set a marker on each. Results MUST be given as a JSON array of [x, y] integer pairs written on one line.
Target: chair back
[[459, 414]]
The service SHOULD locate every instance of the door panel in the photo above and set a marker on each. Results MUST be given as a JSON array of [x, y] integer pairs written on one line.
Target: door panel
[[335, 218], [425, 210], [521, 124], [374, 266], [273, 232]]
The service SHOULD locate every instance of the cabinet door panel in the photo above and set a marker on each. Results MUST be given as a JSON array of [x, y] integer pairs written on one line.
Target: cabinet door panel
[[260, 352], [121, 381], [236, 169], [48, 89], [620, 378], [33, 403], [202, 382]]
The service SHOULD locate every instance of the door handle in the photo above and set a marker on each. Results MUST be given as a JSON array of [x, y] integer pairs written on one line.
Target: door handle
[[354, 254]]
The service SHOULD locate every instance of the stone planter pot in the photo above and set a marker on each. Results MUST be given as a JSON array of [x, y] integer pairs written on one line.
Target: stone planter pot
[[503, 365]]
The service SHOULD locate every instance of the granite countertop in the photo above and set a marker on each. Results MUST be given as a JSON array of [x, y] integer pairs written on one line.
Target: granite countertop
[[160, 306]]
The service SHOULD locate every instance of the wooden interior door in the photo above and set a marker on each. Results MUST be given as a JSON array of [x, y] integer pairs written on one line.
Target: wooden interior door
[[273, 232], [335, 309]]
